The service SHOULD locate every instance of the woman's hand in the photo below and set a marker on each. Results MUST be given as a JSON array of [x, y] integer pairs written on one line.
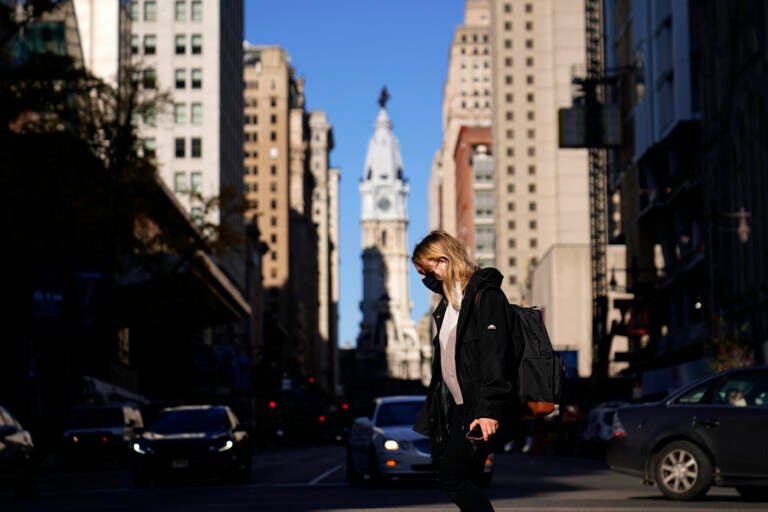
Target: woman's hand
[[488, 426]]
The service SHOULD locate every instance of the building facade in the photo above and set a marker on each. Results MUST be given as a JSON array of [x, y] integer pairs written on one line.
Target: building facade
[[542, 194], [467, 100], [388, 343]]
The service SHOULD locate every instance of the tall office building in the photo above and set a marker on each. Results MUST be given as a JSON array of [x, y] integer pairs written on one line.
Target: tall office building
[[388, 342], [542, 191], [467, 100], [290, 190], [193, 48]]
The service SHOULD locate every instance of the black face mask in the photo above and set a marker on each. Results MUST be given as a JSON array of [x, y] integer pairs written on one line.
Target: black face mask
[[433, 283]]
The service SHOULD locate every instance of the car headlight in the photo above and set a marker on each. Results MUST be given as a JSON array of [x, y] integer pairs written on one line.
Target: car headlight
[[141, 449], [391, 445], [228, 444]]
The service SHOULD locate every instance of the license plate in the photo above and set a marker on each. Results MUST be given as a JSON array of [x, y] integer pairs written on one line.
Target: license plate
[[180, 463]]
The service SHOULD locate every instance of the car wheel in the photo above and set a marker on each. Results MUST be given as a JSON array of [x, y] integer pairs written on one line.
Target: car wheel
[[353, 475], [754, 493], [683, 471]]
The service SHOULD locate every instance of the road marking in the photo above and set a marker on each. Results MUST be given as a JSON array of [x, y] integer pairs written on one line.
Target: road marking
[[326, 474]]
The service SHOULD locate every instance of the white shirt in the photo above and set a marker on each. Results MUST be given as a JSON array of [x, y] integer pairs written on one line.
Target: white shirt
[[447, 338]]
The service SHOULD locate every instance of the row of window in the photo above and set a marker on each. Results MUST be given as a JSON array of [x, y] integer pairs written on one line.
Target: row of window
[[149, 46], [192, 182], [508, 26], [531, 151], [254, 170], [508, 43], [183, 10], [532, 243], [254, 119], [465, 39], [195, 147], [508, 61], [195, 78], [512, 225], [511, 170], [530, 115], [180, 113], [508, 79], [254, 187], [530, 133], [508, 8], [254, 136], [531, 206]]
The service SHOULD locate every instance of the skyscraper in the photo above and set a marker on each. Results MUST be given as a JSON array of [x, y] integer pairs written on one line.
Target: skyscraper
[[542, 196]]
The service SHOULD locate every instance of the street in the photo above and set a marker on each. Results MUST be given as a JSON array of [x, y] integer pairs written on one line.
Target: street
[[312, 479]]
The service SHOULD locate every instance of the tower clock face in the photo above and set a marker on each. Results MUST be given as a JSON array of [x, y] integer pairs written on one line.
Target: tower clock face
[[384, 204]]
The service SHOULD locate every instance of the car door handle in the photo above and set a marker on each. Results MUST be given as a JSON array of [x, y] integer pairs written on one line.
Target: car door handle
[[710, 423]]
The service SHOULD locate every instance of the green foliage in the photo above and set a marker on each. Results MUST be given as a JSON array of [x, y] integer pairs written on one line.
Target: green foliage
[[731, 347]]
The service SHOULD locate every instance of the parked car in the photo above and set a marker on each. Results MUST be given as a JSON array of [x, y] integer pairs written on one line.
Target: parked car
[[384, 444], [17, 466], [100, 434], [712, 432], [199, 440]]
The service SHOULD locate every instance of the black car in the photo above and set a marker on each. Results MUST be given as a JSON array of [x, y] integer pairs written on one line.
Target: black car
[[100, 434], [17, 466], [712, 432], [199, 441]]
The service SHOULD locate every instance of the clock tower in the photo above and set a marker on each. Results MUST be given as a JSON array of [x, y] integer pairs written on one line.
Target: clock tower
[[387, 343]]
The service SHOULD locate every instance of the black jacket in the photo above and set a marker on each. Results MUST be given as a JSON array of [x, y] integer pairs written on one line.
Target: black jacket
[[481, 351]]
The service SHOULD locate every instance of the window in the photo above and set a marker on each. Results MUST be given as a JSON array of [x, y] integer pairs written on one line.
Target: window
[[532, 206], [531, 133], [533, 243], [180, 182], [512, 262], [529, 79], [531, 151], [507, 43], [510, 207], [511, 225], [532, 225], [509, 97], [531, 115], [528, 7], [507, 25], [197, 44], [197, 214], [272, 101], [150, 78], [180, 113], [181, 78], [507, 8], [273, 170], [197, 113], [273, 204], [512, 279], [197, 147], [508, 62], [134, 11], [532, 188], [531, 170], [272, 135], [197, 78], [150, 116], [510, 170], [181, 44], [197, 10], [196, 179], [134, 44], [181, 147], [511, 188], [529, 61], [512, 243], [510, 151], [529, 43], [528, 25], [510, 115], [150, 147], [180, 12], [508, 79], [150, 10], [273, 221], [273, 119], [510, 134], [273, 187]]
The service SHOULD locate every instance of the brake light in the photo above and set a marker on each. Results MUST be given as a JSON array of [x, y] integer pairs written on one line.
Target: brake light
[[617, 428]]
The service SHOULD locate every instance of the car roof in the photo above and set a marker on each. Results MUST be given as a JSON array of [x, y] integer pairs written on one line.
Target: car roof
[[193, 408], [400, 398]]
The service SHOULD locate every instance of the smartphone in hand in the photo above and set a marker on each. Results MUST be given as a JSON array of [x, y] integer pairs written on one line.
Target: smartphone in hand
[[476, 434]]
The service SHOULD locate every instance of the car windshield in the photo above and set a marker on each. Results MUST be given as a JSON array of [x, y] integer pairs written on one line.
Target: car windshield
[[397, 413], [97, 417], [190, 420]]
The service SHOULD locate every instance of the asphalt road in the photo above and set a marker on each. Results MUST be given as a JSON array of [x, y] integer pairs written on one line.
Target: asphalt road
[[312, 479]]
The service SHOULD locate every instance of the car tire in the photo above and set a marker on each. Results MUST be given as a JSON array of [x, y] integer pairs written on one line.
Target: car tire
[[753, 493], [683, 471]]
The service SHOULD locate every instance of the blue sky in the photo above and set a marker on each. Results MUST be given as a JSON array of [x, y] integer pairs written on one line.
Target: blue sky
[[347, 50]]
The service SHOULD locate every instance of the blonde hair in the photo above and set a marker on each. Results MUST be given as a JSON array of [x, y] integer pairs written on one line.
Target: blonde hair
[[439, 244]]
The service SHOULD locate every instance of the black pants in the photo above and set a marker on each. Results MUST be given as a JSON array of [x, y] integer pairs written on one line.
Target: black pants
[[461, 466]]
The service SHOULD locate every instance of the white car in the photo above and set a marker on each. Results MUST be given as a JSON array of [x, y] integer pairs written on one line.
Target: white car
[[385, 445]]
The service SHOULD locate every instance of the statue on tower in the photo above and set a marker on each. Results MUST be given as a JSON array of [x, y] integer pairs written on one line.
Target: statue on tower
[[383, 97]]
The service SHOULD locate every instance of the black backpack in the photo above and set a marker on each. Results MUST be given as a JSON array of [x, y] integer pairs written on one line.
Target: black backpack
[[540, 369], [532, 362]]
